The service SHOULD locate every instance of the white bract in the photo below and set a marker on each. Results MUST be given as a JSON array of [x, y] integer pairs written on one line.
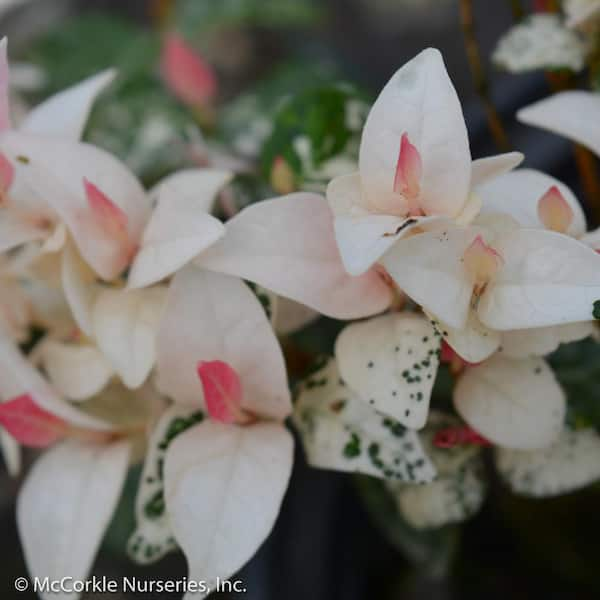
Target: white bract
[[217, 354], [414, 166], [69, 495], [513, 403], [536, 200], [498, 275], [573, 114]]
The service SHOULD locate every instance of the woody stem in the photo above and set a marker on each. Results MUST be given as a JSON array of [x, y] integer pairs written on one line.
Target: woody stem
[[479, 75]]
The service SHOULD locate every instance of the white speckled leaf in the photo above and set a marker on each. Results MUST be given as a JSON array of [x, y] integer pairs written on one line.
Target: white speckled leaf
[[340, 432], [152, 538], [391, 362], [514, 403], [571, 463], [448, 499], [458, 491]]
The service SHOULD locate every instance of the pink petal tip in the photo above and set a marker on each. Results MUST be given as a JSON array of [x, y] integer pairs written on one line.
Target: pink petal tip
[[222, 391], [409, 170], [107, 214], [186, 73], [29, 424]]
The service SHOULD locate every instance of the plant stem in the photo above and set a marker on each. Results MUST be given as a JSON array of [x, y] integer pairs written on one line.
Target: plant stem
[[479, 76], [587, 166]]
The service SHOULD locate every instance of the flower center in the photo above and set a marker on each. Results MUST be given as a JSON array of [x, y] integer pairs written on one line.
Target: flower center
[[481, 262]]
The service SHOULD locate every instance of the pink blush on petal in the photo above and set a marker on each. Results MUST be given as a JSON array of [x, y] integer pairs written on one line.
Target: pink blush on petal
[[222, 391]]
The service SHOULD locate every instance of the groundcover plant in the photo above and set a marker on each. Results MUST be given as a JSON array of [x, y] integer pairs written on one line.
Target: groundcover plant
[[194, 280]]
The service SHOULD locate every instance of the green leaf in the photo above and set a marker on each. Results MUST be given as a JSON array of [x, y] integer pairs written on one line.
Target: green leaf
[[577, 368], [314, 126]]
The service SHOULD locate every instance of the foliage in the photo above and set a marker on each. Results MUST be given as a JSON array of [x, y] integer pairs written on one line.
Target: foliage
[[136, 119], [577, 368]]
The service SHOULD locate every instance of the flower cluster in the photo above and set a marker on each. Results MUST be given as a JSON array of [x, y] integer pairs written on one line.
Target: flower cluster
[[152, 344]]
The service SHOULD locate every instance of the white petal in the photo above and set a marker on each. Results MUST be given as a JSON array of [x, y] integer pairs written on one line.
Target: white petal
[[64, 508], [484, 169], [572, 462], [341, 432], [4, 87], [518, 193], [546, 279], [288, 245], [391, 363], [76, 371], [574, 114], [18, 376], [418, 100], [345, 196], [198, 185], [362, 241], [514, 403], [56, 241], [215, 317], [224, 486], [80, 288], [65, 114], [15, 231], [179, 229], [591, 239], [153, 537], [522, 343], [55, 169], [428, 267], [474, 342], [125, 326]]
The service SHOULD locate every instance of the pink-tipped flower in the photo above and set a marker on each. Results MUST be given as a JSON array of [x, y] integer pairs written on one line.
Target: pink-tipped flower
[[481, 262], [107, 214], [222, 392], [554, 211], [186, 73], [31, 425], [409, 170]]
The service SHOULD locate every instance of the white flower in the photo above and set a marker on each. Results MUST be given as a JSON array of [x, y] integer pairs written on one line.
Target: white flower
[[217, 353], [540, 42], [415, 166]]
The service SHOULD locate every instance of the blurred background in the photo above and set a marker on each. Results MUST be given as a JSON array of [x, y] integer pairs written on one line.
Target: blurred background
[[337, 538]]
